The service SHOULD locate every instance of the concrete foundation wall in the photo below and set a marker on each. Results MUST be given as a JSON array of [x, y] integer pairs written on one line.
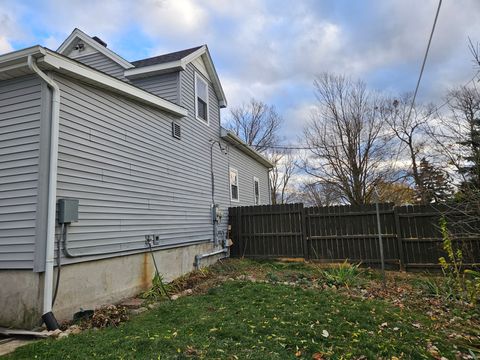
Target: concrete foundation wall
[[88, 285], [20, 298]]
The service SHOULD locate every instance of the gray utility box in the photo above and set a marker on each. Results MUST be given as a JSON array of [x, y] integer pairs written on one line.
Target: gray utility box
[[67, 211]]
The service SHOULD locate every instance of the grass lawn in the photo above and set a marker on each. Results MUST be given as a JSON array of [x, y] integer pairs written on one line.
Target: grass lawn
[[235, 314]]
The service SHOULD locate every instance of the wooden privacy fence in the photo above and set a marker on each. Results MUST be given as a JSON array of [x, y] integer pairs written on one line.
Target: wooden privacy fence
[[411, 234]]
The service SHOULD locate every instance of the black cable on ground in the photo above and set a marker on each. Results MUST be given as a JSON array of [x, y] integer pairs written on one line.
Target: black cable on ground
[[59, 262], [158, 273]]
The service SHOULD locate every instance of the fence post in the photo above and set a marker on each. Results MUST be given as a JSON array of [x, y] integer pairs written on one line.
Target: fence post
[[306, 252], [398, 230], [238, 214]]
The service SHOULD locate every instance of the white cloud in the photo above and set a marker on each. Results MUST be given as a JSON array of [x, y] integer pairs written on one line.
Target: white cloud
[[52, 42], [273, 50], [9, 29], [103, 18], [238, 91], [297, 117], [4, 45], [177, 19]]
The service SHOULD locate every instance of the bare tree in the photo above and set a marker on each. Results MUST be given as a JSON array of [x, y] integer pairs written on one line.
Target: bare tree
[[409, 128], [280, 176], [347, 139], [256, 123], [455, 134], [319, 194], [475, 51]]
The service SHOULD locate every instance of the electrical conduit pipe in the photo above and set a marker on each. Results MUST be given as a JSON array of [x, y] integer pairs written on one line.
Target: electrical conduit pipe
[[48, 316]]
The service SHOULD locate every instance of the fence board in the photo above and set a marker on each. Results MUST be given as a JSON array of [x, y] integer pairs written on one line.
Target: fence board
[[411, 234]]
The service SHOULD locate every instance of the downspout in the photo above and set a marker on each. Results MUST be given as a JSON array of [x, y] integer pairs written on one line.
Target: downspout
[[212, 179], [48, 316], [224, 249]]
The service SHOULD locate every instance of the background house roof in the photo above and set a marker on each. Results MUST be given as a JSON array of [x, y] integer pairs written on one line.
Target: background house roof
[[165, 58]]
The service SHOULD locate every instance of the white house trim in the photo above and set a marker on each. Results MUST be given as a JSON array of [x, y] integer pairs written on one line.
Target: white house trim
[[77, 33], [222, 100], [207, 120], [154, 69], [256, 180], [235, 171], [50, 60], [182, 65], [235, 141], [75, 69]]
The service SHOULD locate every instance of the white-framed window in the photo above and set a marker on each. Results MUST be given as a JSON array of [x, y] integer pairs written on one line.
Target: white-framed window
[[256, 190], [201, 98], [234, 193]]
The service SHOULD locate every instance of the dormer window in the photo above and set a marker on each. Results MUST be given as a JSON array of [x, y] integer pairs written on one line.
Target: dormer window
[[201, 98]]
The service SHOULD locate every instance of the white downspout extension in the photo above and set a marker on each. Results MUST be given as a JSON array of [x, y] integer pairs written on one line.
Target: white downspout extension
[[52, 185]]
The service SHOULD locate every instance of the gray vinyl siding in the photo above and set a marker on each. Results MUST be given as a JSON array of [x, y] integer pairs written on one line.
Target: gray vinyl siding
[[119, 158], [165, 85], [131, 176], [247, 167], [20, 114], [102, 63]]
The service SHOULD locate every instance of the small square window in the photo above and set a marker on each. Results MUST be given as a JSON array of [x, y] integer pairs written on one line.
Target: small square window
[[234, 196], [201, 98]]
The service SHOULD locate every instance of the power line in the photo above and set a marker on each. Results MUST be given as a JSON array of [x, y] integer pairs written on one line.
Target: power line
[[305, 147], [424, 60], [436, 108]]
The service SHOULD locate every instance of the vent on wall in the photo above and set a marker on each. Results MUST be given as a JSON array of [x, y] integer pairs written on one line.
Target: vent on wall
[[176, 130]]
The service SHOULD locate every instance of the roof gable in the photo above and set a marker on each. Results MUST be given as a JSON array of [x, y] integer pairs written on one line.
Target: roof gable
[[15, 64], [165, 58], [70, 48], [178, 61]]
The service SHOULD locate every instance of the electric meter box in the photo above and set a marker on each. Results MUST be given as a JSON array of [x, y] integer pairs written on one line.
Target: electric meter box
[[67, 211], [217, 213]]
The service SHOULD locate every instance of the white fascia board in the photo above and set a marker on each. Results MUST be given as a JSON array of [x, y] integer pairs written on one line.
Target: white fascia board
[[242, 146], [65, 65], [19, 54], [216, 81], [151, 70], [194, 55], [145, 71], [182, 65], [207, 59], [100, 48]]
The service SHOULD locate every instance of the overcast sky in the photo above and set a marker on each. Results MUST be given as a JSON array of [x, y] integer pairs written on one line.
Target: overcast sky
[[271, 50]]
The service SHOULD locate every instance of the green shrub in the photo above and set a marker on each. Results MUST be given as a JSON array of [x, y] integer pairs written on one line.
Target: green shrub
[[442, 288], [472, 285], [344, 274], [465, 283], [158, 290]]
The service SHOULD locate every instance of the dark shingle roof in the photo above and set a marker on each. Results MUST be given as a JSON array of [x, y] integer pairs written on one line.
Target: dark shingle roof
[[174, 56]]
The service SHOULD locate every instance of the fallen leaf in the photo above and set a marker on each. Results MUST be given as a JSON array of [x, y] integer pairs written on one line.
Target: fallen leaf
[[298, 353], [318, 356]]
